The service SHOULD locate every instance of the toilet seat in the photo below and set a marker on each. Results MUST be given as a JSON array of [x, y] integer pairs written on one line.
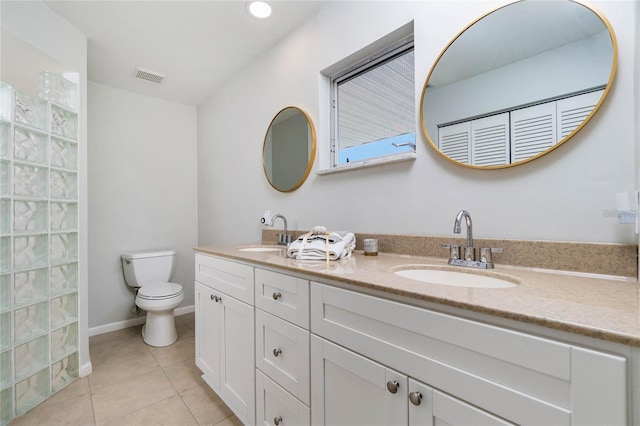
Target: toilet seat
[[159, 291]]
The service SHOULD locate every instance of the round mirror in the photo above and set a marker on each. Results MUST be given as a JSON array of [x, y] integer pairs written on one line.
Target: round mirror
[[518, 82], [289, 149]]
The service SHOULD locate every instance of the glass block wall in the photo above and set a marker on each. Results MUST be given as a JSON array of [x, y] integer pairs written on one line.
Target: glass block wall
[[38, 243]]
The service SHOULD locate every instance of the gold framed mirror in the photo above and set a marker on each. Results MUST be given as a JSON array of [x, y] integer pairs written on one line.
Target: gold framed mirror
[[289, 149], [518, 82]]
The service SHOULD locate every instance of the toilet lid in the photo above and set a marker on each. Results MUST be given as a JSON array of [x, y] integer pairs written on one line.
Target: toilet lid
[[159, 290]]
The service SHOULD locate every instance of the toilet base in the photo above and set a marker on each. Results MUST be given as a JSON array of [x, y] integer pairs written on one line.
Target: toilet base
[[159, 329]]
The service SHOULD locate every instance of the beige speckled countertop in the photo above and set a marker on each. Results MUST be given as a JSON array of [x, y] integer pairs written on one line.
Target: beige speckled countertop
[[598, 306]]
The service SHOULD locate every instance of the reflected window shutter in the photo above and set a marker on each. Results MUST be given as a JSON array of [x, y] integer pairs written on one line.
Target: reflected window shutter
[[490, 143], [533, 130], [455, 141], [574, 110]]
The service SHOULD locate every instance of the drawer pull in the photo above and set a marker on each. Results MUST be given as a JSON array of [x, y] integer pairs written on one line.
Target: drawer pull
[[277, 352], [276, 295], [392, 386], [415, 398], [277, 420]]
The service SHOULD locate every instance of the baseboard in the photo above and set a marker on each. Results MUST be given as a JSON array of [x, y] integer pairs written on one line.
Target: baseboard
[[184, 310], [119, 325], [85, 369]]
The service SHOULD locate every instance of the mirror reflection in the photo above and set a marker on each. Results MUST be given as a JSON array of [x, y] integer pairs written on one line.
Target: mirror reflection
[[289, 149], [518, 82]]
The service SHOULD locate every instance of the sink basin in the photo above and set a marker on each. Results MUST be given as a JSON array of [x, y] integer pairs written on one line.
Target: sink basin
[[457, 278], [261, 248]]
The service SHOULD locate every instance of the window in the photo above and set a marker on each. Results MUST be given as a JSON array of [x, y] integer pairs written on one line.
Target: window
[[373, 107]]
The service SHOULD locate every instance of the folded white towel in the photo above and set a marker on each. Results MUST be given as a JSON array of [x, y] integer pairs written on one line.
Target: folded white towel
[[329, 246]]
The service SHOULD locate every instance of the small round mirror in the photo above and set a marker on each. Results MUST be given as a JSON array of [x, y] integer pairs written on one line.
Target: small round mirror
[[518, 82], [289, 149]]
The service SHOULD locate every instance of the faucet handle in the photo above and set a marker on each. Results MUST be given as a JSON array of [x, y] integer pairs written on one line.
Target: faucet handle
[[454, 250], [485, 253], [470, 253], [284, 239]]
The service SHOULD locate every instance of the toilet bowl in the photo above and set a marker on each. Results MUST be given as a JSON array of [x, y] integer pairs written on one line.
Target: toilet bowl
[[159, 300], [149, 272]]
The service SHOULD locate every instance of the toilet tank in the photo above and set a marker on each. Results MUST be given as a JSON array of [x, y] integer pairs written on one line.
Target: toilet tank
[[143, 266]]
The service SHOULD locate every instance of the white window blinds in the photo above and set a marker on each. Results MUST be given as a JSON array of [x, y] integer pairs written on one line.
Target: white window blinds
[[376, 102]]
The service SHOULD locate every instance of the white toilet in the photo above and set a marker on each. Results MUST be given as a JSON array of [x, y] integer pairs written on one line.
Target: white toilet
[[150, 272]]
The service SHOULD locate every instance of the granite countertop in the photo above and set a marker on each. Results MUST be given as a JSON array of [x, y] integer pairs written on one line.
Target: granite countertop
[[599, 306]]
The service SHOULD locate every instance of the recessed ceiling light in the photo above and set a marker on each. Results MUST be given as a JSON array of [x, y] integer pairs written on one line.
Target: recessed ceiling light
[[260, 9]]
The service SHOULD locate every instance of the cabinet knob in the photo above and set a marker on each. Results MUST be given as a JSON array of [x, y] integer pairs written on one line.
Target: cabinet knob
[[213, 297], [277, 352], [216, 298], [392, 386], [277, 420], [276, 295], [415, 398]]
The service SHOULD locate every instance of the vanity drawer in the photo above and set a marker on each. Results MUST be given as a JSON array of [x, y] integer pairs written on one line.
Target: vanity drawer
[[282, 353], [274, 405], [234, 279], [283, 295]]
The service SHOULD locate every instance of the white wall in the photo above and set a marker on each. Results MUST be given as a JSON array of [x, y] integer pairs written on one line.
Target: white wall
[[142, 192], [562, 196], [34, 23]]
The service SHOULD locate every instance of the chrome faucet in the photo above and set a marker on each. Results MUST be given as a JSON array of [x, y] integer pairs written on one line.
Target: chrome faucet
[[457, 228], [469, 259], [283, 239]]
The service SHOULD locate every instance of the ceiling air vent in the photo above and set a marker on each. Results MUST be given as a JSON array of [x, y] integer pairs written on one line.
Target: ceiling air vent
[[153, 76]]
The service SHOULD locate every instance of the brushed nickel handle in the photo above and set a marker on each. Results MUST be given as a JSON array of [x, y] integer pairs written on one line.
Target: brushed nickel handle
[[277, 420], [415, 398], [276, 295], [392, 386], [277, 352]]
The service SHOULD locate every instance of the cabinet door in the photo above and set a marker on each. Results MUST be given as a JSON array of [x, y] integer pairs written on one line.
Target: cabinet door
[[574, 110], [237, 379], [490, 140], [207, 335], [533, 130], [455, 141], [420, 399], [430, 407], [450, 411], [349, 389]]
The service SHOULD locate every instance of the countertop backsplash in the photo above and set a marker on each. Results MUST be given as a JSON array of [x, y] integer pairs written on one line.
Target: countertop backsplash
[[594, 258]]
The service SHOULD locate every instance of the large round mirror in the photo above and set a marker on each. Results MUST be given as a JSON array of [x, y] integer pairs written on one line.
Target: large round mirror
[[518, 82], [289, 149]]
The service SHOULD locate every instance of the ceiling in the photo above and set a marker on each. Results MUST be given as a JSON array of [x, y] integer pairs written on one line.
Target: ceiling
[[196, 45]]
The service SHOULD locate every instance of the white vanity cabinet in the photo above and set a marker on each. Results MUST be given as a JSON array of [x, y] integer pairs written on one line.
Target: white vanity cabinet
[[282, 349], [225, 332], [359, 342]]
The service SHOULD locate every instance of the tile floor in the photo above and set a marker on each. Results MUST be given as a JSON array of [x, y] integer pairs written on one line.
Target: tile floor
[[135, 384]]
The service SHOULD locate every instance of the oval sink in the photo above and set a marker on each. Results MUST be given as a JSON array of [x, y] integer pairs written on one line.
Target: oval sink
[[444, 276], [261, 248]]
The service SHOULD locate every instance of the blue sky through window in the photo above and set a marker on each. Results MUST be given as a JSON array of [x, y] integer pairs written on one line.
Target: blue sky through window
[[395, 145]]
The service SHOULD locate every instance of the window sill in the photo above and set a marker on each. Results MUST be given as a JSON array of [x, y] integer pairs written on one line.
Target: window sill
[[407, 156]]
